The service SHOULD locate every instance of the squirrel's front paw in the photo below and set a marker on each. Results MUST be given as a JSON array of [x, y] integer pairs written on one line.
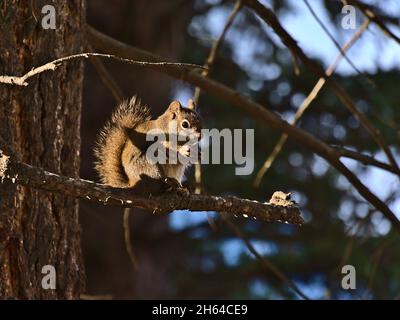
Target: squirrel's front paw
[[185, 151], [173, 185]]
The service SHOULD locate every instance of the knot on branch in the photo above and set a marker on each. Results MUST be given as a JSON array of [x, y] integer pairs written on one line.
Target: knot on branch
[[279, 198]]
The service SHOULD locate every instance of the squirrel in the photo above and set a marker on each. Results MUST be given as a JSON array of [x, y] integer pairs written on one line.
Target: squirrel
[[121, 146]]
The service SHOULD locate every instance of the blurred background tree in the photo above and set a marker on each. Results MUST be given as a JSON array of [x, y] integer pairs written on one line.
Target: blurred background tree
[[182, 256]]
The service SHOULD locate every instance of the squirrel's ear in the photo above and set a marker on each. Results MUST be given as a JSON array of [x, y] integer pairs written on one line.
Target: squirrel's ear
[[191, 104], [174, 106]]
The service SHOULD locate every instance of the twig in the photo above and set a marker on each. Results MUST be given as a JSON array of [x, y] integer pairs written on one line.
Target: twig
[[337, 45], [209, 62], [264, 262], [350, 234], [307, 102], [346, 153], [367, 10], [376, 259], [270, 18], [374, 200], [208, 65], [215, 47], [259, 112], [51, 66], [127, 238], [382, 16], [12, 171], [107, 79], [295, 63]]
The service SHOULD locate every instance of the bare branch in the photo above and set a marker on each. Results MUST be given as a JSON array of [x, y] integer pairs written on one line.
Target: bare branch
[[128, 240], [259, 112], [209, 62], [368, 11], [51, 66], [215, 47], [346, 153], [307, 102], [12, 171], [337, 45], [264, 262], [270, 18], [378, 13], [107, 79]]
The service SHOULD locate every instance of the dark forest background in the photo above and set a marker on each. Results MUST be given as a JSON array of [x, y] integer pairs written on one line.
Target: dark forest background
[[181, 255]]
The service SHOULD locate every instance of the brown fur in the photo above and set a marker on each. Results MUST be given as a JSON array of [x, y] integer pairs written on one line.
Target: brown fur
[[121, 146], [112, 139]]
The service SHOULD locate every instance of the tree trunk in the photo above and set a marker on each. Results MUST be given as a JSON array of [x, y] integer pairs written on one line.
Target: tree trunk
[[41, 125]]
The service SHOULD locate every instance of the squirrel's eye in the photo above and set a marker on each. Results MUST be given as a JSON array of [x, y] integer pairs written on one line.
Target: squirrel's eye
[[185, 124]]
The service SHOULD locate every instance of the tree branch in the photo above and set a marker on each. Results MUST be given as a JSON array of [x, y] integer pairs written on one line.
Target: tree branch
[[270, 18], [307, 102], [259, 112], [13, 171], [51, 66], [364, 159], [268, 265], [107, 79], [369, 11], [215, 47], [208, 64], [337, 45], [378, 13]]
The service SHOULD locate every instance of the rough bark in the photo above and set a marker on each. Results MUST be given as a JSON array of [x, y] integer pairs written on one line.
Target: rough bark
[[280, 208], [41, 123]]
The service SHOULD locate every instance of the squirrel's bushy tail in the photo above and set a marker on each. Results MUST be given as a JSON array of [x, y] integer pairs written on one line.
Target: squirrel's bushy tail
[[112, 138]]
